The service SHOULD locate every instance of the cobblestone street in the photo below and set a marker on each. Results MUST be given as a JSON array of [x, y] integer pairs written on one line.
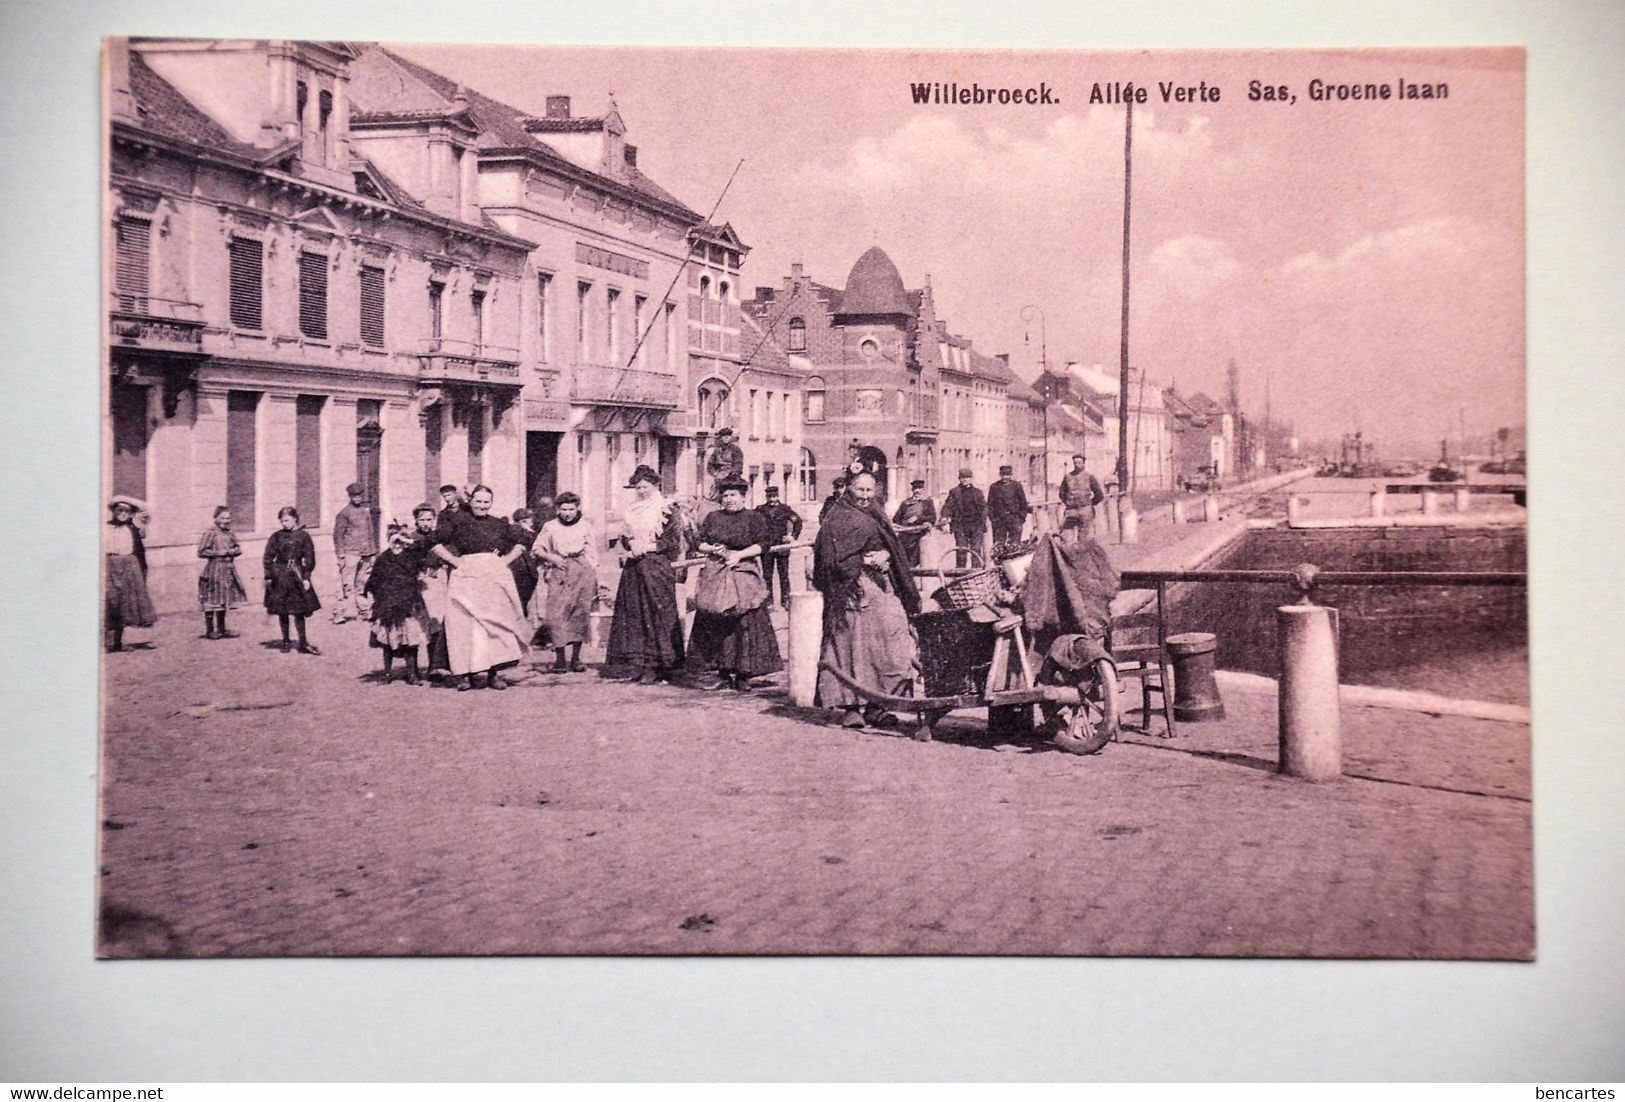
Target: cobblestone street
[[257, 803]]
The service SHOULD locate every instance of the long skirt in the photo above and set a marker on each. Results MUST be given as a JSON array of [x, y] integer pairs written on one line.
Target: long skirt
[[646, 629], [484, 620], [744, 644], [219, 589], [570, 590], [127, 601], [873, 643], [411, 630]]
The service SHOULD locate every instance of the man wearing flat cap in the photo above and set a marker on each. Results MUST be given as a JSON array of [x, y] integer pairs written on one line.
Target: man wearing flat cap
[[727, 462], [355, 546], [917, 512], [965, 514], [1007, 508]]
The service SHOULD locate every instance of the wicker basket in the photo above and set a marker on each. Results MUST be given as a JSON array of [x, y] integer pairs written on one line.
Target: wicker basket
[[967, 590]]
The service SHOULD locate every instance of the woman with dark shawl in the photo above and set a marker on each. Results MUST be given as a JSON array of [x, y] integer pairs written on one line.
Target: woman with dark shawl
[[738, 645], [869, 595], [646, 632], [485, 622]]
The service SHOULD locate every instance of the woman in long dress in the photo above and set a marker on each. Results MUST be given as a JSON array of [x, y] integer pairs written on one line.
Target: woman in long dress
[[566, 550], [739, 645], [869, 595], [290, 561], [485, 621], [218, 587], [646, 632], [127, 603]]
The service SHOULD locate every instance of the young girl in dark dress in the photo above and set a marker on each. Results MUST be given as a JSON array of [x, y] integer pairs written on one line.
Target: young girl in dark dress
[[290, 560], [219, 587], [398, 615], [739, 645]]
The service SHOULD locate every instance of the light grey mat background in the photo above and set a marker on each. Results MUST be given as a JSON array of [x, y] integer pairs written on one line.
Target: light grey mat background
[[66, 1018]]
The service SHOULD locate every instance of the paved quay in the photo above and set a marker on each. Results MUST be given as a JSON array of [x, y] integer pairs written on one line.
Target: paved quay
[[257, 803]]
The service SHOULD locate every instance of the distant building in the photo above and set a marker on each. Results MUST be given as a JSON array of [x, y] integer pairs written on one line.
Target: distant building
[[1203, 439], [1150, 438]]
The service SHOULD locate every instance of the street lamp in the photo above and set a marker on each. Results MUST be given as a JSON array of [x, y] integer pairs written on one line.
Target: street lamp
[[1043, 377]]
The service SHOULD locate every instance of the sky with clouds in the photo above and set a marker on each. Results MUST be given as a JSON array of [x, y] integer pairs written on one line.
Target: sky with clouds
[[1364, 260]]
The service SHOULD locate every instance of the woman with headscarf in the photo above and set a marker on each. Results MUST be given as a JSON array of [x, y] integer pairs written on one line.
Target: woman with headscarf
[[566, 550], [646, 632], [127, 602], [869, 595], [739, 645], [485, 621]]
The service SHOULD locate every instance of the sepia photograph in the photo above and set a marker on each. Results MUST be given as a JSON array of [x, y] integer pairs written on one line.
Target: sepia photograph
[[700, 501]]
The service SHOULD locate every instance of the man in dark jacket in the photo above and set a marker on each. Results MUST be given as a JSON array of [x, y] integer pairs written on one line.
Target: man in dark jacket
[[1080, 494], [965, 514], [355, 546], [785, 524], [916, 511], [1007, 508], [727, 462]]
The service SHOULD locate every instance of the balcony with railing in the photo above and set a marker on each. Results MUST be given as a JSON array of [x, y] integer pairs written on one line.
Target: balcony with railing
[[147, 324], [452, 361], [609, 385]]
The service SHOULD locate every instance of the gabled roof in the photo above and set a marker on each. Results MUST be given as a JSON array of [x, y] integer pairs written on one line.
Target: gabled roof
[[500, 125], [759, 346], [990, 367], [724, 234], [165, 112]]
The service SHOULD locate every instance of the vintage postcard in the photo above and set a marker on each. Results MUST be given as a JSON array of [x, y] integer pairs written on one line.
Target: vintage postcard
[[699, 501]]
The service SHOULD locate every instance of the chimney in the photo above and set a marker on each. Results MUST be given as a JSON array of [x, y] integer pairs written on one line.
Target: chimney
[[1004, 358], [459, 98], [558, 107], [631, 154], [121, 104], [795, 270]]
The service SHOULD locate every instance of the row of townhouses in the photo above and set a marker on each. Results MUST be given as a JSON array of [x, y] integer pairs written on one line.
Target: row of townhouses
[[329, 265]]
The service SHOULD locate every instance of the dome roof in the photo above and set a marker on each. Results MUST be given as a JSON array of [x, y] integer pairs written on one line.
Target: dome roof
[[874, 287]]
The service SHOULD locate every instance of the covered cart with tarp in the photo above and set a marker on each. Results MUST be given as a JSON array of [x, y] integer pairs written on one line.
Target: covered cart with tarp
[[1026, 640]]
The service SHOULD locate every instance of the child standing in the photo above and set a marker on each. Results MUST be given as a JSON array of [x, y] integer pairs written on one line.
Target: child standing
[[127, 603], [398, 616], [219, 587], [290, 560]]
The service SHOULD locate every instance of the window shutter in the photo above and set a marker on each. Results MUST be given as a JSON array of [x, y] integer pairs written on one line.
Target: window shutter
[[247, 279], [132, 263], [372, 306], [313, 295]]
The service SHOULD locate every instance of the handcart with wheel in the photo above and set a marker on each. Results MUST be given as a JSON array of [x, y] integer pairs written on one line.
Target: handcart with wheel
[[978, 650]]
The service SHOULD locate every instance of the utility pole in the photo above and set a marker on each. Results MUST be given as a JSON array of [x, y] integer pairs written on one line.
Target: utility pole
[[1122, 385], [1043, 381]]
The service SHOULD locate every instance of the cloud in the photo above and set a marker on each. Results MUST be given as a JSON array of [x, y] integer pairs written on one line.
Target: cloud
[[1193, 266]]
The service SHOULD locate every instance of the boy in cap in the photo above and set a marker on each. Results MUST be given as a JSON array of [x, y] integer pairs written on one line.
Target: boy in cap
[[1007, 507], [784, 525], [965, 514], [916, 511], [355, 546]]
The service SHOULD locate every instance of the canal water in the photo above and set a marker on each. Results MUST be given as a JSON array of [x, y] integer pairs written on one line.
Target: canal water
[[1461, 641]]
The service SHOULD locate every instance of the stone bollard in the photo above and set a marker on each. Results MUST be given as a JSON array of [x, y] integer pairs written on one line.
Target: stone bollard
[[805, 639], [1379, 501], [1196, 694], [1430, 503], [1128, 519], [1464, 499], [1294, 510], [1179, 510], [1310, 726], [1210, 508]]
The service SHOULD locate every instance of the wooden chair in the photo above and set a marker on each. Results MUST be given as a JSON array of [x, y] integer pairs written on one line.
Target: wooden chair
[[1137, 642]]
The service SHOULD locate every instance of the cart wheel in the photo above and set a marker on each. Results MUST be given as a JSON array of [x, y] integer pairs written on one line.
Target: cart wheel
[[1088, 727]]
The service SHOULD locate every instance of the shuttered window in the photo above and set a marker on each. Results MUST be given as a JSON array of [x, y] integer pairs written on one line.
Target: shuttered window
[[372, 306], [242, 456], [476, 302], [132, 262], [307, 459], [313, 295], [247, 282], [437, 317]]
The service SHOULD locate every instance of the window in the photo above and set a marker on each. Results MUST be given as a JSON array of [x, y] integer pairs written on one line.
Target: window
[[129, 439], [434, 428], [784, 419], [612, 306], [639, 302], [324, 111], [307, 459], [705, 286], [807, 476], [476, 443], [815, 400], [798, 335], [476, 304], [132, 262], [313, 295], [437, 311], [301, 97], [583, 291], [544, 283], [242, 454], [671, 335], [247, 282], [372, 308]]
